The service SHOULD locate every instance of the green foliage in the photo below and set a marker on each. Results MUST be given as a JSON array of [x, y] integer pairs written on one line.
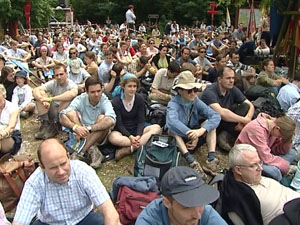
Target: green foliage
[[5, 9]]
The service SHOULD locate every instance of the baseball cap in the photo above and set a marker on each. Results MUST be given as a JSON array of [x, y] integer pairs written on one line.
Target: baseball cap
[[186, 186], [186, 80], [75, 66], [21, 73]]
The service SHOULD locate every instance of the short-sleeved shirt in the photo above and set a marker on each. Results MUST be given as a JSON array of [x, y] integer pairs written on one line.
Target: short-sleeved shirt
[[78, 78], [212, 94], [103, 72], [6, 113], [61, 57], [162, 82], [19, 53], [44, 62], [157, 214], [61, 204], [90, 113], [55, 89]]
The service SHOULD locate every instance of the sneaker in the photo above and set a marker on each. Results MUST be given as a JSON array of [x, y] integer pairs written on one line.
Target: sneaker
[[196, 166], [225, 140], [122, 152], [24, 115], [211, 167], [75, 145], [81, 156], [96, 157]]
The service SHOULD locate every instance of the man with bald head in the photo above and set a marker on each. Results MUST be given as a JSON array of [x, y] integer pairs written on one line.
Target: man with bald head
[[63, 191]]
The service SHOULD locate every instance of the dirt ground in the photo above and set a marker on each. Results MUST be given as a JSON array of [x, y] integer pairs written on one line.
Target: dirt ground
[[110, 170]]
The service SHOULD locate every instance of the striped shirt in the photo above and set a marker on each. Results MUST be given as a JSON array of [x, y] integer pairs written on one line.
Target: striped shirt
[[59, 204]]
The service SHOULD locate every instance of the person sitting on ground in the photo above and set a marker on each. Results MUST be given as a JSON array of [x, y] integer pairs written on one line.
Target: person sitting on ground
[[152, 50], [130, 132], [105, 67], [18, 54], [191, 121], [244, 75], [96, 119], [217, 45], [60, 56], [59, 178], [262, 49], [212, 75], [91, 66], [202, 61], [254, 198], [44, 64], [185, 56], [268, 78], [185, 200], [117, 71], [163, 83], [289, 94], [8, 80], [10, 136], [80, 48], [22, 95], [235, 109], [161, 59], [140, 66], [123, 55], [272, 138], [74, 59], [61, 92]]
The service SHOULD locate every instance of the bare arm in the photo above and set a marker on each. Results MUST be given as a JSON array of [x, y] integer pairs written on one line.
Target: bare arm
[[108, 86], [162, 95], [228, 115], [66, 96], [109, 213]]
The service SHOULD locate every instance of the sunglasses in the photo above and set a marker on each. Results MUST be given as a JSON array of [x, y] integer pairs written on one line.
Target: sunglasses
[[72, 53], [202, 52], [192, 90]]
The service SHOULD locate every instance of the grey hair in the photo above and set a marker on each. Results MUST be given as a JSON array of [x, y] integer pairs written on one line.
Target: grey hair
[[235, 154], [3, 90]]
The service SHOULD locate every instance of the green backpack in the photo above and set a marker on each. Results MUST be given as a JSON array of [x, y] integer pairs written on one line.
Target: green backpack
[[157, 156]]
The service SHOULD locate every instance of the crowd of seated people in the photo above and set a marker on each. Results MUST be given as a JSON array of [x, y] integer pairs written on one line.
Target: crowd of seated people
[[91, 80]]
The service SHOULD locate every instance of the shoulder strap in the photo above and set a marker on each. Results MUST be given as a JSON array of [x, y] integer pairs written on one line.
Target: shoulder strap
[[12, 184], [190, 115]]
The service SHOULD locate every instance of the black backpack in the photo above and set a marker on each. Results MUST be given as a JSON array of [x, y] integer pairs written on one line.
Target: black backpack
[[157, 114]]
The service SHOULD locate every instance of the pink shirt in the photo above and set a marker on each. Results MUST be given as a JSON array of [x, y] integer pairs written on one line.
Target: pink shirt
[[257, 134]]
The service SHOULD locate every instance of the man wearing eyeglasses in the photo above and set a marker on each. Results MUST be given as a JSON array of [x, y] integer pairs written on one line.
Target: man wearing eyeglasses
[[51, 98], [190, 120], [247, 196]]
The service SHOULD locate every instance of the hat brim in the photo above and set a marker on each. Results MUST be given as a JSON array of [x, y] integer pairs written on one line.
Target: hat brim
[[188, 86], [203, 195], [75, 71]]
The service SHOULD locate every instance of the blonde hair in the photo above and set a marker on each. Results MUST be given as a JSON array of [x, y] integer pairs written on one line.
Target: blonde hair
[[3, 90], [287, 127]]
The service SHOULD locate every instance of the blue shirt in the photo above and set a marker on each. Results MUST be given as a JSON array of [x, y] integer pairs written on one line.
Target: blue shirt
[[104, 72], [61, 204], [156, 214], [178, 114], [88, 112], [288, 96]]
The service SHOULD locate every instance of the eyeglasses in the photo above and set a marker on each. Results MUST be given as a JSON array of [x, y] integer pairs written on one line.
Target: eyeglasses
[[192, 90], [253, 166], [72, 53], [202, 52]]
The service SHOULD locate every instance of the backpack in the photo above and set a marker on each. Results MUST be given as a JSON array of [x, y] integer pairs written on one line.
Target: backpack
[[157, 114], [12, 179], [157, 156], [269, 105], [130, 203]]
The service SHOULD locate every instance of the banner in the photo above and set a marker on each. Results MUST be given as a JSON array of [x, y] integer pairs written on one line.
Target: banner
[[252, 25], [27, 9], [228, 21]]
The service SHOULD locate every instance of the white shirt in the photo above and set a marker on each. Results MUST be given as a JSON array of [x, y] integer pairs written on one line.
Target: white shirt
[[22, 96], [9, 109], [272, 196], [130, 17]]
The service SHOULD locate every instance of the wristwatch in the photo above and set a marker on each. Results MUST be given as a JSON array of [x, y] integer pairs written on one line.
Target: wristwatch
[[89, 128]]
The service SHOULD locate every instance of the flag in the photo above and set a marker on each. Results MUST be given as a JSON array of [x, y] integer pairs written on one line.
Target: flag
[[252, 25], [228, 21]]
